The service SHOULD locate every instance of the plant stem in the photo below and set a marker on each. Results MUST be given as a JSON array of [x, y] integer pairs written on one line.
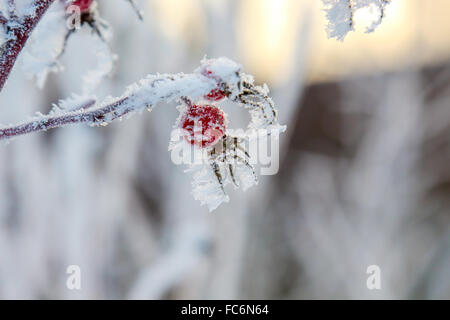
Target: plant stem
[[18, 33]]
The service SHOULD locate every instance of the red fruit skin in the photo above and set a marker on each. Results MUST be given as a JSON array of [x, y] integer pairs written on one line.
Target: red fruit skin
[[210, 119], [215, 94], [84, 5]]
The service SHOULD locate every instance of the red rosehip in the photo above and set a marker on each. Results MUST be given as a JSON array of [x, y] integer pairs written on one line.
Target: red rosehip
[[215, 94], [203, 125], [84, 5]]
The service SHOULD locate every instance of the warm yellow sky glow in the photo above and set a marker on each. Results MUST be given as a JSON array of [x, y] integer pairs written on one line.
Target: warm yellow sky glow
[[413, 32], [265, 40]]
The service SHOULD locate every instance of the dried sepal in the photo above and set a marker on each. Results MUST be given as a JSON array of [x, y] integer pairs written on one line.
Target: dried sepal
[[228, 161]]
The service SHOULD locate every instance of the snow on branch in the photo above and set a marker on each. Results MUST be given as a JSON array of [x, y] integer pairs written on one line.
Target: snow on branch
[[227, 160], [340, 15], [139, 96], [17, 29], [148, 92]]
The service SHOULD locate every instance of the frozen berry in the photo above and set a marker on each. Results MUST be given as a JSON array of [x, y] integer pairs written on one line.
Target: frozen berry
[[84, 5], [203, 125], [215, 94]]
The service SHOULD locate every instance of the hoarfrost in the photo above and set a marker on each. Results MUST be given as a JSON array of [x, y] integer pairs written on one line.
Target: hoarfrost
[[46, 44], [340, 14], [227, 162], [105, 66]]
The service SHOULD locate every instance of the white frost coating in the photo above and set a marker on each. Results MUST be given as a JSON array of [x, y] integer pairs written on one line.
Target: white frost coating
[[70, 104], [378, 5], [144, 94], [46, 43], [105, 66], [230, 164], [206, 188], [224, 70], [25, 8], [246, 177], [226, 162], [162, 88], [340, 14]]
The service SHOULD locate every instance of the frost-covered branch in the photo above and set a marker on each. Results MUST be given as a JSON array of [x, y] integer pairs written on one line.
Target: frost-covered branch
[[18, 29], [227, 160], [145, 94]]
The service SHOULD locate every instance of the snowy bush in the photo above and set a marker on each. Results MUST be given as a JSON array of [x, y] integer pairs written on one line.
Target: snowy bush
[[214, 80], [228, 160]]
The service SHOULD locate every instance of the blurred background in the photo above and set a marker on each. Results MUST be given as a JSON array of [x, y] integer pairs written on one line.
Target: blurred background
[[364, 165]]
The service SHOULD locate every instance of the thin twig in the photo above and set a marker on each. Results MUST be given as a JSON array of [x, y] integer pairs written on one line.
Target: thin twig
[[136, 9], [139, 96], [82, 114]]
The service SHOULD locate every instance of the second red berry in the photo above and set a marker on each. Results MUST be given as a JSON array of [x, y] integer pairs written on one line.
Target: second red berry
[[84, 5]]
